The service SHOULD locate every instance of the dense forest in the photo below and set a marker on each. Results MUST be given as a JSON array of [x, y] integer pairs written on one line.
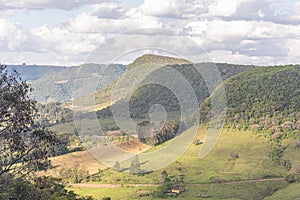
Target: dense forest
[[148, 133], [262, 99], [146, 96]]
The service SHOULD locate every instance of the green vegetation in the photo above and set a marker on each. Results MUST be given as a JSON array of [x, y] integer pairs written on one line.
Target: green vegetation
[[263, 99], [146, 96], [290, 193], [52, 113], [266, 101], [256, 157], [157, 59], [24, 146], [148, 134]]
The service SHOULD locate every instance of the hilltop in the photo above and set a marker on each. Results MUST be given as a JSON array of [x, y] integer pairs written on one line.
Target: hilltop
[[150, 94], [157, 59]]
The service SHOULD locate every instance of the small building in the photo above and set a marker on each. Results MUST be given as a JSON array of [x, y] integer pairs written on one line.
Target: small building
[[178, 189]]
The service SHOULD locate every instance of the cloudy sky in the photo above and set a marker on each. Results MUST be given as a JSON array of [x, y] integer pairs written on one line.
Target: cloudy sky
[[65, 32]]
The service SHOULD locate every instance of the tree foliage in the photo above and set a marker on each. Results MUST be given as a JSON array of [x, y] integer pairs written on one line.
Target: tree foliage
[[264, 99], [146, 96], [149, 135], [23, 145]]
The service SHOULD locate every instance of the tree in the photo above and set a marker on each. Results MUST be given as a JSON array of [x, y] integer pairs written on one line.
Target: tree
[[23, 145], [135, 166], [117, 166], [164, 175]]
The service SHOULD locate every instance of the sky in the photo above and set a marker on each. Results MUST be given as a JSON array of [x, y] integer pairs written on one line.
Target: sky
[[56, 32]]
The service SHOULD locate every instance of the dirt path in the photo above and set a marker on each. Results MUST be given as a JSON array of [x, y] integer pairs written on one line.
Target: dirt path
[[93, 185], [100, 185], [242, 181], [253, 181]]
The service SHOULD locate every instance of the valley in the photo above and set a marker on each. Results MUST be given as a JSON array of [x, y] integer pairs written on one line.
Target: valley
[[257, 155]]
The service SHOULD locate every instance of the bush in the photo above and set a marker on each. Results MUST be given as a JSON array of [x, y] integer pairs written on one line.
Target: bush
[[215, 179], [290, 178]]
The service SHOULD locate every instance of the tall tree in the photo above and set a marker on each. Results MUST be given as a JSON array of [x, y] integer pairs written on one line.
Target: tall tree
[[23, 145]]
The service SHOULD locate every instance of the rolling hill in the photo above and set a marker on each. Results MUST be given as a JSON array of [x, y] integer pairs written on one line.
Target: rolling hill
[[264, 99], [150, 94], [57, 84], [256, 151]]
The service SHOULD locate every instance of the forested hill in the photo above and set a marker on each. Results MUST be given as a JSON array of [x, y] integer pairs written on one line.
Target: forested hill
[[264, 98], [156, 59], [144, 97]]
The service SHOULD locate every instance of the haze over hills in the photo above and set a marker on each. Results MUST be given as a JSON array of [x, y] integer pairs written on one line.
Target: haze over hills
[[57, 84]]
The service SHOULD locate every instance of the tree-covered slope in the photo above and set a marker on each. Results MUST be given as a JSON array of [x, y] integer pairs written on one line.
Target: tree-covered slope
[[265, 98], [146, 96]]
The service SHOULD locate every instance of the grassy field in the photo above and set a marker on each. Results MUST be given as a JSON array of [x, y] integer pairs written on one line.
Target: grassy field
[[236, 191], [292, 192], [122, 193], [252, 163]]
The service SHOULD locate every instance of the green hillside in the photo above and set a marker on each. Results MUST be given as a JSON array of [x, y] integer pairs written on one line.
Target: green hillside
[[263, 99], [256, 152], [146, 96], [292, 192], [250, 176]]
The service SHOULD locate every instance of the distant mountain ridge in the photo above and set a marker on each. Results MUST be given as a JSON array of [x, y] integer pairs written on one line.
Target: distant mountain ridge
[[57, 84], [34, 72]]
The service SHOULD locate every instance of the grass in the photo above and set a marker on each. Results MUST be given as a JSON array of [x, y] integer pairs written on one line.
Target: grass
[[255, 191], [237, 191], [292, 192], [121, 193], [253, 163]]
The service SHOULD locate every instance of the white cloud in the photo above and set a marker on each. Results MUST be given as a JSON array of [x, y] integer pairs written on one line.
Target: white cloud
[[44, 4], [223, 8], [293, 46], [166, 8], [12, 36], [108, 10], [65, 41], [239, 31], [251, 38], [132, 20]]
